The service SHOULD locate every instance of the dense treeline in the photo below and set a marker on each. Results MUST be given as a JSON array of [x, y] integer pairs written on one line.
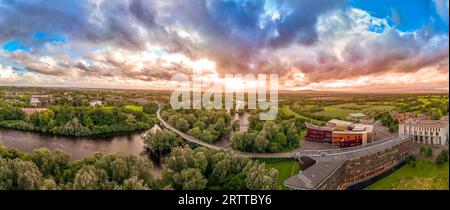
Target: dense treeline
[[186, 169], [309, 110], [206, 125], [160, 143], [268, 136], [436, 107], [203, 168], [46, 171], [76, 121], [387, 121]]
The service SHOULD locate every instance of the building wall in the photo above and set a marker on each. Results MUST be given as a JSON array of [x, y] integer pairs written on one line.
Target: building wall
[[348, 139], [366, 167], [318, 135], [422, 135]]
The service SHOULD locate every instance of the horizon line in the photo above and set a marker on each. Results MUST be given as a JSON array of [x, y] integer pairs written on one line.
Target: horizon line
[[394, 91]]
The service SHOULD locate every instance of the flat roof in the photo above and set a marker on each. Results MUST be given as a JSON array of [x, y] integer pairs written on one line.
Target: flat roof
[[323, 128], [358, 114], [427, 123], [340, 122], [327, 161]]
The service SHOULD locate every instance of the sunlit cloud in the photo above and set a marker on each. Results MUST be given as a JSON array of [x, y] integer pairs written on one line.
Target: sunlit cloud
[[318, 45]]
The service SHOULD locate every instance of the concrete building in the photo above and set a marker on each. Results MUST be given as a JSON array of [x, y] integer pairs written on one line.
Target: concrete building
[[426, 131]]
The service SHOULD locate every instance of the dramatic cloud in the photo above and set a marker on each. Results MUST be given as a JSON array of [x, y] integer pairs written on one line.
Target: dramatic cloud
[[310, 44]]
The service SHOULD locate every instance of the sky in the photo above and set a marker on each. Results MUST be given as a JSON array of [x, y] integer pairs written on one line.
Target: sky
[[345, 45]]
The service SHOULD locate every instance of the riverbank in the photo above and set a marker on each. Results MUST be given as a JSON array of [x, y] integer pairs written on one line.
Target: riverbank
[[78, 148]]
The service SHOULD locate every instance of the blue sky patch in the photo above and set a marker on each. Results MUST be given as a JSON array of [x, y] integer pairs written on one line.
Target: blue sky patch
[[14, 45]]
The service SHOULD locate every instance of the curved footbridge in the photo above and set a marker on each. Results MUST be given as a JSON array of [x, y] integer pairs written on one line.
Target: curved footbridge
[[211, 146]]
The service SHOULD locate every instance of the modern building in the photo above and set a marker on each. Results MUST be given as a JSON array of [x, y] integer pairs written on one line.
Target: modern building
[[318, 134], [40, 100], [341, 169], [340, 133], [356, 134], [433, 132]]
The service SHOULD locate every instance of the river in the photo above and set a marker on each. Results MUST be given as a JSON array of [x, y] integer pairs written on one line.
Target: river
[[78, 148]]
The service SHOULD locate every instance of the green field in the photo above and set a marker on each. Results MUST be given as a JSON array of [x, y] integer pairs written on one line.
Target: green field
[[335, 112], [134, 108], [425, 176], [379, 108], [289, 111], [343, 110], [286, 169]]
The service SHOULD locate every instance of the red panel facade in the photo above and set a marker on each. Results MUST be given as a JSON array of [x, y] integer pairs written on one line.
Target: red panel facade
[[318, 135]]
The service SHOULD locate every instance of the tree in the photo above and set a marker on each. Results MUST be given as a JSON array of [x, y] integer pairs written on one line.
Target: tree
[[261, 142], [429, 152], [20, 170], [134, 183], [192, 179], [422, 150], [195, 132], [43, 160], [204, 168], [160, 142], [292, 136], [220, 125], [442, 157], [150, 108], [182, 124], [86, 179], [258, 177], [74, 128]]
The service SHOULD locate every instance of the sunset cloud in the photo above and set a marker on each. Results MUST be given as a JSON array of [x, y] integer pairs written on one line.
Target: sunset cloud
[[141, 44]]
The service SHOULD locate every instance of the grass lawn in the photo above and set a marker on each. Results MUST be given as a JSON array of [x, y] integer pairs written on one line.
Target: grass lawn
[[425, 176], [134, 108], [23, 96], [353, 106], [379, 108], [286, 169]]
